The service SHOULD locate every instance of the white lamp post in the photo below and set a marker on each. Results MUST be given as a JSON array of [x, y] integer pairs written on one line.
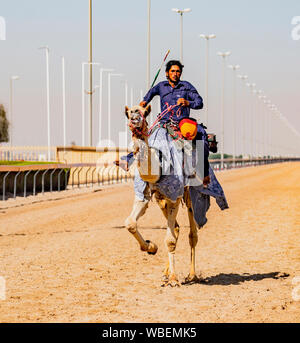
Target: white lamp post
[[90, 92], [109, 103], [251, 117], [269, 140], [207, 38], [223, 55], [126, 104], [148, 44], [64, 98], [186, 10], [260, 124], [243, 129], [83, 101], [234, 68], [12, 78], [263, 125], [141, 95], [102, 70], [48, 98], [131, 97]]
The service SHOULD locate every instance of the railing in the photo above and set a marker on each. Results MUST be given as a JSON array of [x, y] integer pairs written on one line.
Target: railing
[[31, 179], [27, 153], [239, 163]]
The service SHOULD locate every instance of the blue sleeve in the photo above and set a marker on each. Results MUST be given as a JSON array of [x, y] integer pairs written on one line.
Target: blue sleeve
[[129, 158], [151, 94], [196, 102]]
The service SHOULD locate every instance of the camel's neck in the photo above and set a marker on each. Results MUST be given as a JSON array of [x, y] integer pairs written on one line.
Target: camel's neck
[[148, 163], [141, 134]]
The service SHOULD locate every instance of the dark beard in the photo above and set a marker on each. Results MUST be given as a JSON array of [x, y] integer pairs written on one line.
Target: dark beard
[[173, 82]]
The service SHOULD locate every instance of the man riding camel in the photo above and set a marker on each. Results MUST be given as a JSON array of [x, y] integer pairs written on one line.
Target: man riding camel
[[177, 98], [185, 96]]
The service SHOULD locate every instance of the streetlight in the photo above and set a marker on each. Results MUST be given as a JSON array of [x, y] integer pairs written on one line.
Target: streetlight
[[252, 87], [259, 124], [234, 68], [243, 78], [12, 78], [255, 92], [131, 97], [126, 103], [223, 55], [48, 97], [269, 140], [109, 103], [186, 10], [64, 98], [263, 121], [91, 70], [207, 38], [148, 45], [102, 70], [83, 100], [141, 95]]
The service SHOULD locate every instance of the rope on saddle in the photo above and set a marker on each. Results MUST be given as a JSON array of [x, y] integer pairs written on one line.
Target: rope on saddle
[[172, 125]]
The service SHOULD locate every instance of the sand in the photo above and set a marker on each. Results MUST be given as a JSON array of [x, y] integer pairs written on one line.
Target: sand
[[67, 257]]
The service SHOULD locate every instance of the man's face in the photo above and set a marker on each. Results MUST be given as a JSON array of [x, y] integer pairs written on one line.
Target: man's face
[[174, 74]]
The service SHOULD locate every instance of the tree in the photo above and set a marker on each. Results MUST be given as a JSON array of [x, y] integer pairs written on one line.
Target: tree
[[4, 125]]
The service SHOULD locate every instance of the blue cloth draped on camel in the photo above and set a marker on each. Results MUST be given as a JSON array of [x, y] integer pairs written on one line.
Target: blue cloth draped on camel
[[173, 179]]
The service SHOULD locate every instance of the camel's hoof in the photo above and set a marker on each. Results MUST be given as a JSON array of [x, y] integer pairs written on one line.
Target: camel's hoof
[[164, 280], [191, 279], [173, 282], [152, 248]]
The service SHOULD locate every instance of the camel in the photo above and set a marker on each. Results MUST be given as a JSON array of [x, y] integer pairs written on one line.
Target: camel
[[147, 162]]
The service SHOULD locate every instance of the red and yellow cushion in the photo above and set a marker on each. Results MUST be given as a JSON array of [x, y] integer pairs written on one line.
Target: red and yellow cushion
[[188, 128]]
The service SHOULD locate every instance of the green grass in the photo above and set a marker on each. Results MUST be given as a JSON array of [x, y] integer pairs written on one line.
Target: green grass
[[23, 163]]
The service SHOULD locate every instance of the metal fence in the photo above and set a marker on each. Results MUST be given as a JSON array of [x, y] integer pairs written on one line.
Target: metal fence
[[58, 177], [240, 163], [34, 179], [27, 153]]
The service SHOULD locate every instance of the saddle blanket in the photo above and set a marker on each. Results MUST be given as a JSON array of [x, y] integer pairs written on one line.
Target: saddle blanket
[[173, 180]]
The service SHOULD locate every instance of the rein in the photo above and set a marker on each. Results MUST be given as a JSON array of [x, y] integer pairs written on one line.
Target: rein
[[139, 132]]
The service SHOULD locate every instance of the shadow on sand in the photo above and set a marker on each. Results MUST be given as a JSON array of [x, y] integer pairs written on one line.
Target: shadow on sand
[[236, 279]]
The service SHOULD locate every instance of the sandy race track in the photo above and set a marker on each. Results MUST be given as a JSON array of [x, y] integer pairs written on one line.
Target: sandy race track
[[71, 260]]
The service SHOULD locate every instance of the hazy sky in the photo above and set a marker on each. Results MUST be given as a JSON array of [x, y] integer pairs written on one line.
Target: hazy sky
[[257, 32]]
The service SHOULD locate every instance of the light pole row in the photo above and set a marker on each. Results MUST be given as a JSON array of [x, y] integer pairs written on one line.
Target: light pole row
[[181, 12], [12, 78], [207, 38], [224, 55], [46, 48]]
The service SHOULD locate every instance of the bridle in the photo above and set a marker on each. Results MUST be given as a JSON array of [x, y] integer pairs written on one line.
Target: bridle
[[139, 132]]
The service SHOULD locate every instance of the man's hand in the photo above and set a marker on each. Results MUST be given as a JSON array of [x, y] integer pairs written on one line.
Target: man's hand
[[206, 181], [122, 164], [143, 103], [183, 102]]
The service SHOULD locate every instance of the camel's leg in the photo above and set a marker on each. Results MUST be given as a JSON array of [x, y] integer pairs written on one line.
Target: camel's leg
[[162, 203], [139, 208], [193, 239], [193, 235], [170, 241], [167, 269]]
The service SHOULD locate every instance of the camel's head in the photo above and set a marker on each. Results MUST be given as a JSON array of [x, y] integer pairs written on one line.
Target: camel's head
[[137, 116]]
